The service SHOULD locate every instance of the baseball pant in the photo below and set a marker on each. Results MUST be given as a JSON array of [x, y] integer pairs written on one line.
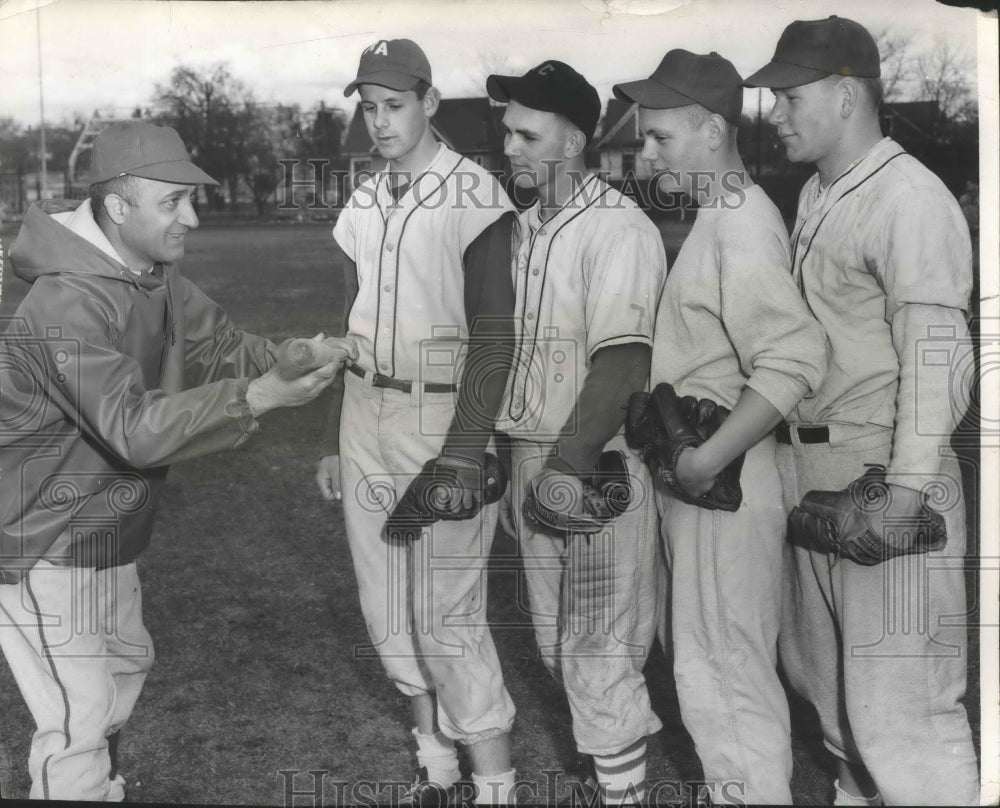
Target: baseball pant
[[881, 651], [76, 645], [424, 602], [725, 583], [595, 604]]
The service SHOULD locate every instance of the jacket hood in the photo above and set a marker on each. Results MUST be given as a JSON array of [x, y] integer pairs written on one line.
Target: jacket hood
[[45, 246]]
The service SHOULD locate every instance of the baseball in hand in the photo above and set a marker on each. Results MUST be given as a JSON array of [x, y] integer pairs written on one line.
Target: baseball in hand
[[296, 357]]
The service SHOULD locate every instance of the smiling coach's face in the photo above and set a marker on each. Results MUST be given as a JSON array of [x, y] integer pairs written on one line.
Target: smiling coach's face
[[156, 223]]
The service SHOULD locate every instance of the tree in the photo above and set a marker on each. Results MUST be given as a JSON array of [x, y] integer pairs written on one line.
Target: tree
[[943, 75], [210, 109], [897, 66]]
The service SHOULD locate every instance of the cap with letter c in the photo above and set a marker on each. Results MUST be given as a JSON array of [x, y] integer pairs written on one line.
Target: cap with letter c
[[398, 64], [810, 50], [145, 150], [684, 78], [551, 87]]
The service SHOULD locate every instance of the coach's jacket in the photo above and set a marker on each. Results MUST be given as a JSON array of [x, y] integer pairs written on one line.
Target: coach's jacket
[[106, 377]]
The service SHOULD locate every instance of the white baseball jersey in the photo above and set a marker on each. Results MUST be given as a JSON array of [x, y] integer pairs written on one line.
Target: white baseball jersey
[[885, 233], [587, 278], [731, 315], [409, 318]]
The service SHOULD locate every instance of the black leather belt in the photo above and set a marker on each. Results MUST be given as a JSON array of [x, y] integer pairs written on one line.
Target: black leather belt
[[378, 380], [807, 434]]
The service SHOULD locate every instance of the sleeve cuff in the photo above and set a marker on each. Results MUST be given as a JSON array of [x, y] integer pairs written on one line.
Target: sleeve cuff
[[781, 390], [238, 409]]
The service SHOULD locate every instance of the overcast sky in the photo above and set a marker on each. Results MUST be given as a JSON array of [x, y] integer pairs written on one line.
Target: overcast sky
[[109, 53]]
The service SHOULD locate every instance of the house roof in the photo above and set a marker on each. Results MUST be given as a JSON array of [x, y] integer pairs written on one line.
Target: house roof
[[467, 125], [618, 125], [918, 118]]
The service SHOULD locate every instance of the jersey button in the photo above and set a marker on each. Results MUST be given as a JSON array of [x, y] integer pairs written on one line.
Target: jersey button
[[388, 248], [531, 315], [534, 271], [541, 232], [384, 365], [387, 287]]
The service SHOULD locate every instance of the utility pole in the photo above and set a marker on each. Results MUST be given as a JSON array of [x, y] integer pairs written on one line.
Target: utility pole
[[759, 130], [41, 102]]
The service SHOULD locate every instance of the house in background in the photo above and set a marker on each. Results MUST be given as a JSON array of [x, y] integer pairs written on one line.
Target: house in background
[[470, 126], [619, 144]]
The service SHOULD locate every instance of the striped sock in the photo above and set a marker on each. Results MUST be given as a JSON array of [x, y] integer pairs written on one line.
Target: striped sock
[[437, 754], [622, 776]]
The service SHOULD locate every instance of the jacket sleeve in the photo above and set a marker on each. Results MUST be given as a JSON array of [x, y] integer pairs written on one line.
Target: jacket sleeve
[[101, 391], [214, 348]]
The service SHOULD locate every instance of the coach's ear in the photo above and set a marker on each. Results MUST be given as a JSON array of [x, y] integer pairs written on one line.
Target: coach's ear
[[431, 100], [115, 207]]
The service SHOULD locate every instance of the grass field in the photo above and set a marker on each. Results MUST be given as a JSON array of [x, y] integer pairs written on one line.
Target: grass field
[[251, 600]]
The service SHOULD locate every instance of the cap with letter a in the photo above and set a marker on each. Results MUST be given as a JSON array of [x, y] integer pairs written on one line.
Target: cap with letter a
[[398, 64], [810, 50]]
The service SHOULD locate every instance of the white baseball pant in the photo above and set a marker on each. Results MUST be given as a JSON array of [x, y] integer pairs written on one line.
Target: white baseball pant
[[881, 651], [76, 644], [424, 602], [725, 584], [595, 603]]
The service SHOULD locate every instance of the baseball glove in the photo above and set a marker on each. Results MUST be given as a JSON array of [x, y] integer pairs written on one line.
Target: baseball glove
[[852, 523], [660, 425], [607, 493], [447, 488]]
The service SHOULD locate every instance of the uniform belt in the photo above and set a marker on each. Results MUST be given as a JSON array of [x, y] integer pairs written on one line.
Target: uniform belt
[[807, 434], [378, 380]]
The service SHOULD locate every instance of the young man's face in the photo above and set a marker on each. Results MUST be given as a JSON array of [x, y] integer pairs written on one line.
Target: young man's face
[[535, 144], [672, 143], [396, 119], [156, 223], [807, 119]]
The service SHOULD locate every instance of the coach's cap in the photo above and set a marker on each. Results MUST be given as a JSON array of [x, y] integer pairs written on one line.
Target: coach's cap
[[684, 78], [810, 50], [398, 64], [551, 87], [143, 150]]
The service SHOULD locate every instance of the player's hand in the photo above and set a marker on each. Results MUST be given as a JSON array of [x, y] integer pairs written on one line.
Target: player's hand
[[692, 474], [272, 390], [328, 478]]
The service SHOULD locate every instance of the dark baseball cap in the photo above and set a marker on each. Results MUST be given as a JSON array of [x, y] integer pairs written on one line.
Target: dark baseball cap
[[551, 87], [810, 50], [398, 64], [684, 78], [143, 150]]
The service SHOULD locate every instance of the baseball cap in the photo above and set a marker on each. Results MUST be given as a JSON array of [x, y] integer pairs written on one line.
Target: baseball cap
[[685, 78], [810, 50], [144, 150], [394, 63], [551, 87]]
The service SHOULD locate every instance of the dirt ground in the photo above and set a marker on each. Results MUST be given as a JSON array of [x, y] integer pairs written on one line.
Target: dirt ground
[[251, 600]]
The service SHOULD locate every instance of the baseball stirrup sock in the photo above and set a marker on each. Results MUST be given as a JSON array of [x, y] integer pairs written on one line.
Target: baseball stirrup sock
[[437, 754], [842, 797], [494, 789], [622, 776]]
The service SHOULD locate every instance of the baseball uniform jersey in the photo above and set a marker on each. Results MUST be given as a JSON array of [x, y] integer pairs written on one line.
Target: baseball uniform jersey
[[731, 318], [587, 278], [425, 602], [883, 258]]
